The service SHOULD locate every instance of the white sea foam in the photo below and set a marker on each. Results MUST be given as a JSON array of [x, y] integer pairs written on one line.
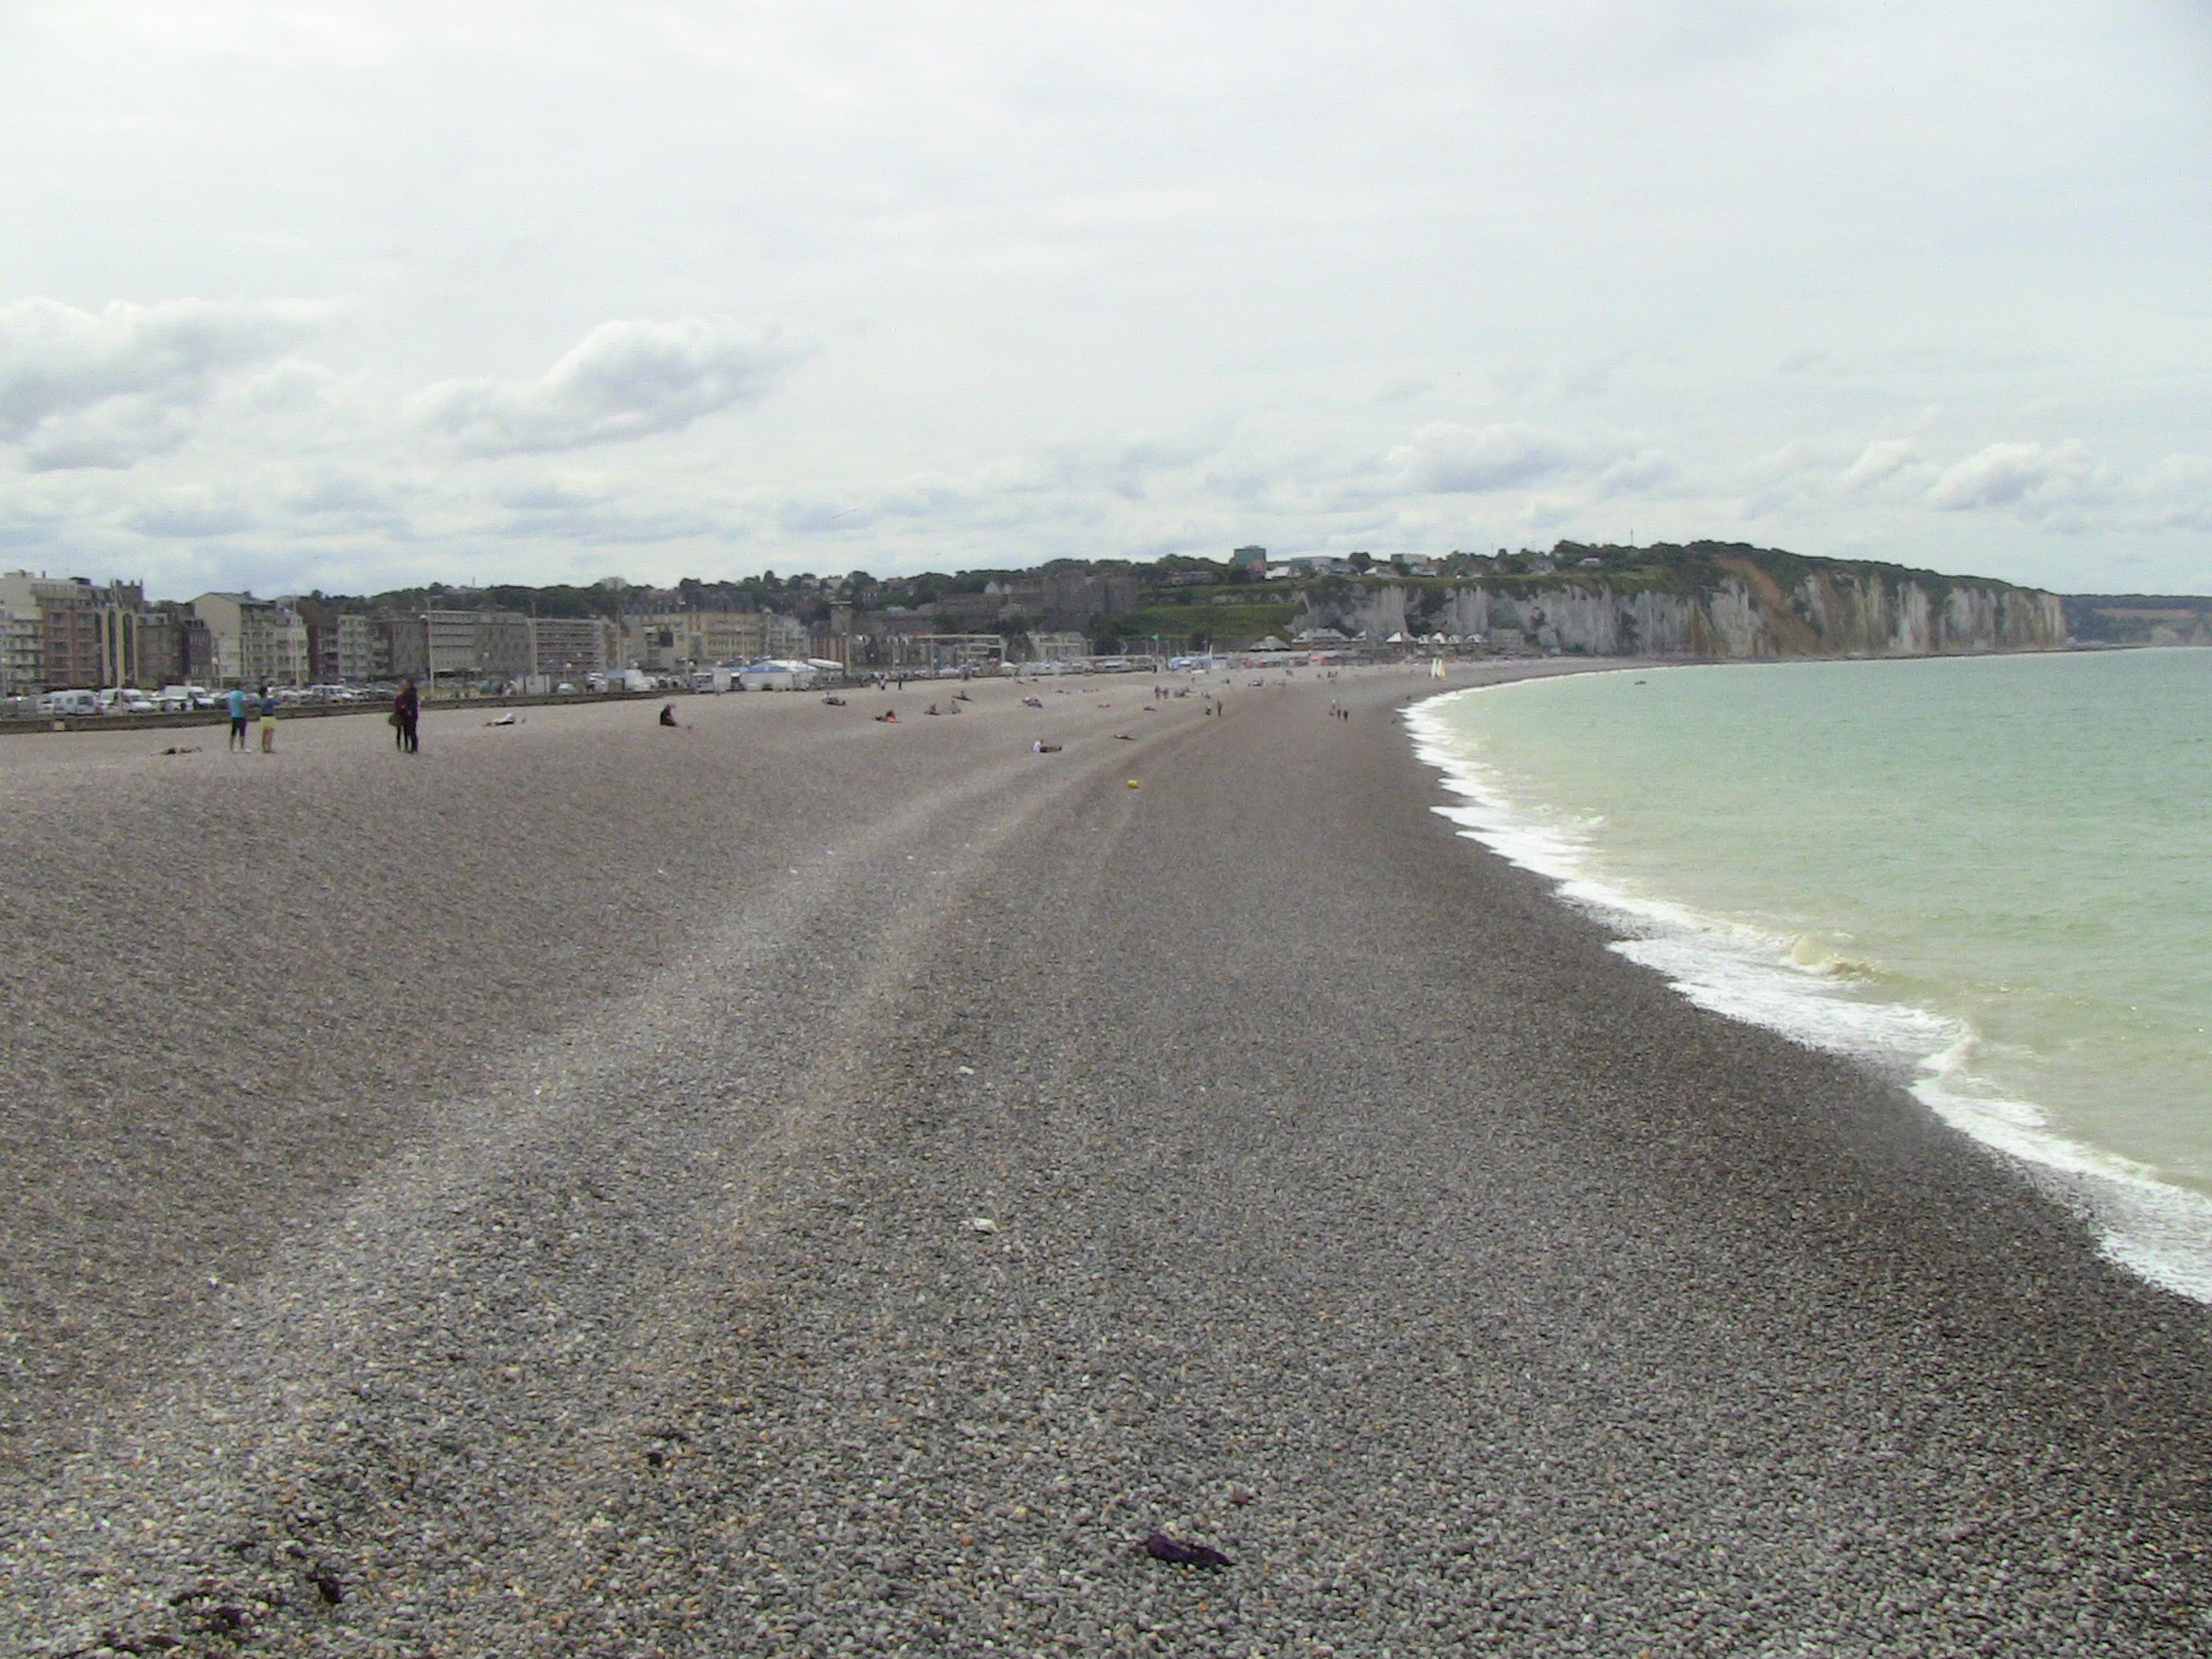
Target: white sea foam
[[2157, 1230]]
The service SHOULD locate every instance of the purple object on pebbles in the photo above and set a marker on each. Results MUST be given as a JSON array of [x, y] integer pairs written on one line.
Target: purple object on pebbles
[[1161, 1547]]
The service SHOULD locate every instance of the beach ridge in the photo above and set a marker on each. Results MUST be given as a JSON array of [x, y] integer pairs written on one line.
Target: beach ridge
[[851, 1205]]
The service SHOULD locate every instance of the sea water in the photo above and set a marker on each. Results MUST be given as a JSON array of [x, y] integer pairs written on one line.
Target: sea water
[[1990, 877]]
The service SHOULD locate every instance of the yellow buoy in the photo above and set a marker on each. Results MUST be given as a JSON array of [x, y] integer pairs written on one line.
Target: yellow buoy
[[1134, 784]]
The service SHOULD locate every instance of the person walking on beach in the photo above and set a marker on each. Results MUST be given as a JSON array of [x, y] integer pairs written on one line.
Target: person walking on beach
[[406, 709], [237, 703], [268, 720]]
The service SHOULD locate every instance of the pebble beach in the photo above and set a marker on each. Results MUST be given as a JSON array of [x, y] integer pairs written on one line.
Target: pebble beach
[[795, 1185]]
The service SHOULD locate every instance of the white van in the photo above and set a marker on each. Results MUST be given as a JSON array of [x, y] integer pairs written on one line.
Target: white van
[[57, 705]]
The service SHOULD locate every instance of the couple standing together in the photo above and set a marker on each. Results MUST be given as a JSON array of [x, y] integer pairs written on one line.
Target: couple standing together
[[245, 704], [406, 710]]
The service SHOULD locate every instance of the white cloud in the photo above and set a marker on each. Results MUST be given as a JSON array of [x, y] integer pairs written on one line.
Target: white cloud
[[1447, 459], [116, 433], [1915, 362], [1127, 467], [621, 381], [2030, 480], [1645, 473], [1581, 236], [111, 387], [1880, 461], [2177, 492], [192, 513]]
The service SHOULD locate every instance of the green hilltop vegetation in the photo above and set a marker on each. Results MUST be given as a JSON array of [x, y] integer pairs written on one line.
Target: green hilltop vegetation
[[2139, 618], [1197, 601]]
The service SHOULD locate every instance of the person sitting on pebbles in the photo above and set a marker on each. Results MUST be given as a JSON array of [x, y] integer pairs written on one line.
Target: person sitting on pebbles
[[668, 715]]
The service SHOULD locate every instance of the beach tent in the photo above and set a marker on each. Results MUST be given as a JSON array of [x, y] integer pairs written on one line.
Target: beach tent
[[777, 676]]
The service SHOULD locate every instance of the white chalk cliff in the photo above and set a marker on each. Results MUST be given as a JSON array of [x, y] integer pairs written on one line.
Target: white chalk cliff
[[1739, 608]]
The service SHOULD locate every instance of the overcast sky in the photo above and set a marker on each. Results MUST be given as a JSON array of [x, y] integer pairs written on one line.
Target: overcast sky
[[352, 295]]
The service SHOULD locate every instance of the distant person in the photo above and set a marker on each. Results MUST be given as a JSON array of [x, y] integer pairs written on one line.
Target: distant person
[[268, 720], [236, 701], [407, 710], [668, 715]]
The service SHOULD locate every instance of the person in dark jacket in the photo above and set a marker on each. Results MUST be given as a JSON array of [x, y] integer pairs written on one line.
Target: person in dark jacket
[[406, 709]]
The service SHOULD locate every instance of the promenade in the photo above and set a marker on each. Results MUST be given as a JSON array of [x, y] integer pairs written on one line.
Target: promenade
[[801, 1186]]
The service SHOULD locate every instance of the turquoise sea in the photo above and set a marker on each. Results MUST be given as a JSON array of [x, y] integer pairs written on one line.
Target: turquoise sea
[[1989, 876]]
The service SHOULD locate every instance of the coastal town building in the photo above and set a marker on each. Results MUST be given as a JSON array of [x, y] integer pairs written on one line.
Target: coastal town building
[[927, 652], [67, 633], [341, 644], [459, 644], [356, 651], [253, 641], [671, 641], [1058, 647], [168, 632], [1062, 600], [676, 642], [22, 652], [1058, 596], [565, 648]]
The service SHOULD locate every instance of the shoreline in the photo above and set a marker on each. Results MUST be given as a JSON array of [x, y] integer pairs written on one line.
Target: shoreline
[[2155, 1226], [1353, 1207]]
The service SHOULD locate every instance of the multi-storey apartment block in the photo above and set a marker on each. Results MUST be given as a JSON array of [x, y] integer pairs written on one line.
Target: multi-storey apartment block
[[253, 641]]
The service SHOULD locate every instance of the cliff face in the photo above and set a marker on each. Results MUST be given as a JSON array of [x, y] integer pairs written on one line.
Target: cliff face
[[1748, 613]]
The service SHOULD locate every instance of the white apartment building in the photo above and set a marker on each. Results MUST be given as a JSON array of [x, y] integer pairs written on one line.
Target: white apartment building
[[22, 652]]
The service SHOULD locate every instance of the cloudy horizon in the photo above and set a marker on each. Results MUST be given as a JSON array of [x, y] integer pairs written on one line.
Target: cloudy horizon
[[351, 296]]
